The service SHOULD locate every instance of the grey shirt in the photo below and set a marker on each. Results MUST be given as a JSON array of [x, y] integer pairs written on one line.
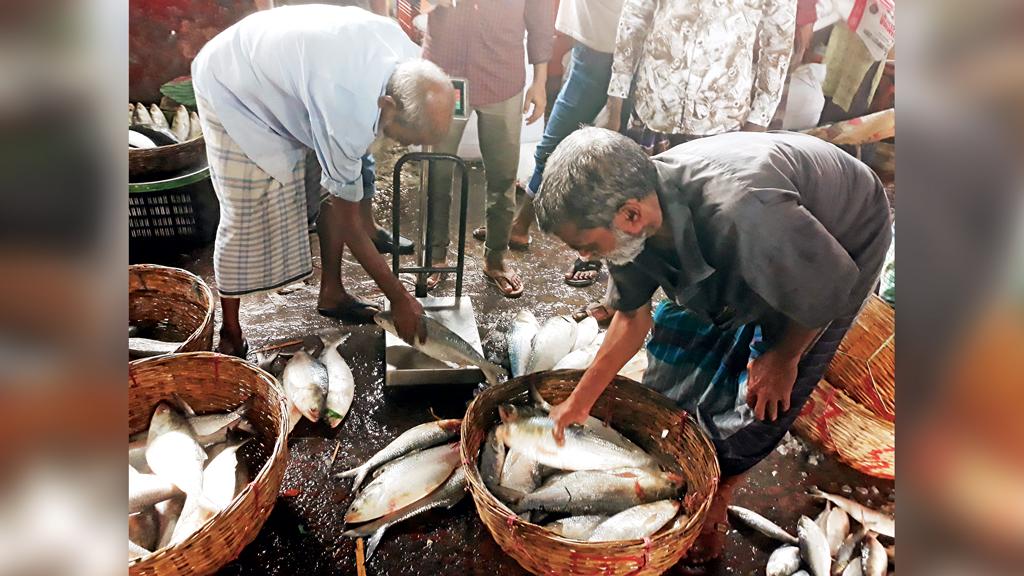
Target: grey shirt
[[766, 227]]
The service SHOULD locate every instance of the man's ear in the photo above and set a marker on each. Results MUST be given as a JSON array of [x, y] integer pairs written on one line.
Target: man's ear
[[388, 107], [630, 218]]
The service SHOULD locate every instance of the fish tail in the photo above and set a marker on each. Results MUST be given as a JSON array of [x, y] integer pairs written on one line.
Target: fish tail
[[374, 540], [359, 479], [349, 473]]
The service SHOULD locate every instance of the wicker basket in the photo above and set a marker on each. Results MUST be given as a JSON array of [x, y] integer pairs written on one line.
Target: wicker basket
[[160, 293], [864, 367], [841, 426], [647, 418], [148, 163], [212, 382]]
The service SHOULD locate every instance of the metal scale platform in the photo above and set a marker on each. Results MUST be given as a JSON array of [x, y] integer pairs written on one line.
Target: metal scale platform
[[406, 367]]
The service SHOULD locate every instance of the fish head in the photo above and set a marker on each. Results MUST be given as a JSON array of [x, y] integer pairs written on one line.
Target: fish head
[[385, 320], [450, 425], [509, 412]]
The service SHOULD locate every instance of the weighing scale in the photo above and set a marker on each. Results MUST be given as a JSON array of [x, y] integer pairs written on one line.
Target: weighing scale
[[406, 367]]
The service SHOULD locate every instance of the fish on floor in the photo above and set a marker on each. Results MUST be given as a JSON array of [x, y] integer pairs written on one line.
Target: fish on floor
[[306, 384], [762, 524], [404, 482], [520, 341], [416, 438], [554, 340], [341, 385]]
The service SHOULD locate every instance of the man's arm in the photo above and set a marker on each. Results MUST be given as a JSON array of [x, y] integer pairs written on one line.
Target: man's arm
[[771, 375], [625, 337], [634, 26], [775, 45], [540, 41]]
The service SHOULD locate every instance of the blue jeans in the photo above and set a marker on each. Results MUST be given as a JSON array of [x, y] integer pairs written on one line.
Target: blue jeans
[[581, 98], [315, 194]]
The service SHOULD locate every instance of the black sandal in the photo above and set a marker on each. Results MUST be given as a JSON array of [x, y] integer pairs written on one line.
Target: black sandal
[[581, 265], [357, 311]]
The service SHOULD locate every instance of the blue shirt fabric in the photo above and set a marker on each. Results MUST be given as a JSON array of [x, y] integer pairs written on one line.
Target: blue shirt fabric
[[299, 77]]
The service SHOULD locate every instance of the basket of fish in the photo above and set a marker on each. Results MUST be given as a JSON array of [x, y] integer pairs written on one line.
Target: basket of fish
[[626, 493], [207, 452], [169, 310], [157, 145]]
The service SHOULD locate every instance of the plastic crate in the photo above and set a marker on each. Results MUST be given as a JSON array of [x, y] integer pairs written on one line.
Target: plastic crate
[[177, 213]]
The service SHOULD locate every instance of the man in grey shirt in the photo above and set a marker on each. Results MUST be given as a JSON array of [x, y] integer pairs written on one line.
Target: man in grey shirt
[[766, 246]]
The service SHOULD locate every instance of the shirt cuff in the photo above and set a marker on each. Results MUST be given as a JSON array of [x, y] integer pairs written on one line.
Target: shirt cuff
[[351, 191], [619, 85]]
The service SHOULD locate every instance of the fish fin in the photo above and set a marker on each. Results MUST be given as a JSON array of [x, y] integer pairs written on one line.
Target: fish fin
[[373, 541], [349, 473], [538, 399], [359, 479], [182, 405]]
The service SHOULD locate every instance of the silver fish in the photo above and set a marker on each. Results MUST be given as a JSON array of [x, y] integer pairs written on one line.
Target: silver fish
[[813, 547], [341, 385], [194, 127], [172, 451], [520, 473], [846, 551], [180, 123], [873, 560], [143, 528], [404, 482], [581, 359], [139, 140], [762, 524], [445, 345], [136, 551], [837, 527], [213, 428], [142, 115], [822, 518], [520, 341], [157, 115], [600, 492], [586, 331], [554, 340], [415, 438], [145, 490], [582, 449], [576, 527], [784, 561], [220, 476], [874, 520], [447, 495], [169, 511], [306, 384], [853, 569], [801, 573], [139, 347], [137, 454], [599, 428], [492, 460], [193, 515], [636, 523]]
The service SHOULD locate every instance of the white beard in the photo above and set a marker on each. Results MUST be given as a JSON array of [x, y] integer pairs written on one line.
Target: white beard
[[627, 248]]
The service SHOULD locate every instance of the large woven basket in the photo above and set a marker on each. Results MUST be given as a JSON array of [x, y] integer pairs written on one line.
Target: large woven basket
[[843, 427], [146, 163], [864, 367], [160, 293], [645, 417], [212, 382]]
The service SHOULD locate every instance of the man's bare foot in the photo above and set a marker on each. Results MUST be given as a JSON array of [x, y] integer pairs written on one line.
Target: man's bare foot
[[582, 273], [506, 280]]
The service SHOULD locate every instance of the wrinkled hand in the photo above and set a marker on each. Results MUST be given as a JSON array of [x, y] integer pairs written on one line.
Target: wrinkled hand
[[408, 314], [770, 379], [537, 96], [566, 414], [610, 116], [751, 127]]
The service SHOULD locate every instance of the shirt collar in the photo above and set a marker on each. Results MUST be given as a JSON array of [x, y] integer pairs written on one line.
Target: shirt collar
[[693, 268]]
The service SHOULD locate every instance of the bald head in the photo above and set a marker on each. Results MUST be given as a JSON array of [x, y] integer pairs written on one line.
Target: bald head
[[418, 103]]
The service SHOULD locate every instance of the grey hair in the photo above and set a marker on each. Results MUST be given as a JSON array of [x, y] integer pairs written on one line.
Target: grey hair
[[589, 176], [410, 86]]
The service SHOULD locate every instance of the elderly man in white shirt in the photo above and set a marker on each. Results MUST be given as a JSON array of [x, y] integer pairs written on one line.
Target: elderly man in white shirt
[[276, 85]]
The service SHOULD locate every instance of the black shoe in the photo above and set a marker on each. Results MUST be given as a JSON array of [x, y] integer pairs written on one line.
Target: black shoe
[[385, 244]]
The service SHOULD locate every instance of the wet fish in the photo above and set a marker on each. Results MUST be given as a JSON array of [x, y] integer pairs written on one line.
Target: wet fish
[[172, 451], [169, 511], [195, 129], [784, 561], [139, 140], [213, 428], [220, 476], [143, 528], [853, 569], [813, 547], [142, 115], [137, 455], [520, 341], [582, 449], [636, 523], [139, 347], [341, 385], [157, 115], [180, 123], [520, 473], [193, 515], [580, 359], [293, 415], [145, 490], [822, 517], [404, 482], [599, 428], [306, 384], [837, 527], [159, 136], [846, 551], [873, 560], [762, 524], [136, 551], [554, 340], [492, 460], [801, 573], [415, 438], [874, 520], [447, 495], [586, 332], [576, 527], [600, 492], [445, 345]]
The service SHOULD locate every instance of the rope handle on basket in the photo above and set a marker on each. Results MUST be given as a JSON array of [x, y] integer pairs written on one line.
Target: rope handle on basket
[[642, 563]]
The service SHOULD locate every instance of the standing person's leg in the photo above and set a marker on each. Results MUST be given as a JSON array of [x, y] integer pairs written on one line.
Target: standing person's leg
[[381, 236], [440, 183], [500, 128]]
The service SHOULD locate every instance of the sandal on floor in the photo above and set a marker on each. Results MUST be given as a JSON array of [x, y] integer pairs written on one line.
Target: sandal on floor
[[598, 310], [358, 311], [505, 293], [243, 353], [480, 233], [581, 265]]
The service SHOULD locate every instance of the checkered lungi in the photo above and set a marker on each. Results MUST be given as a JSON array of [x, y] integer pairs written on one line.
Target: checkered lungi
[[704, 370], [263, 237]]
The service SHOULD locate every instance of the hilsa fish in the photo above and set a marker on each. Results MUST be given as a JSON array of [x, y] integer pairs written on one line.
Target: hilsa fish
[[636, 523], [443, 344], [591, 492], [415, 438], [306, 384], [814, 547], [341, 385], [762, 524], [552, 343], [520, 341], [404, 482]]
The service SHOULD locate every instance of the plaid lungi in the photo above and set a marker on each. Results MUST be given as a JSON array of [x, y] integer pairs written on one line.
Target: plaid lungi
[[263, 237], [704, 370]]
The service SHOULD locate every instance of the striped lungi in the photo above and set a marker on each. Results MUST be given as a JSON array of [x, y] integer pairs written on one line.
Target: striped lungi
[[263, 237], [704, 370]]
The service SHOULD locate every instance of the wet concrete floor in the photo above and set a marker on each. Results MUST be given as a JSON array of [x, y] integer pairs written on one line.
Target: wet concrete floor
[[303, 534]]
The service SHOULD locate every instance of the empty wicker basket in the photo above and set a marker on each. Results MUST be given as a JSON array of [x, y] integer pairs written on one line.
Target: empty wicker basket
[[864, 367], [212, 382], [159, 294], [648, 419]]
